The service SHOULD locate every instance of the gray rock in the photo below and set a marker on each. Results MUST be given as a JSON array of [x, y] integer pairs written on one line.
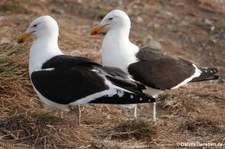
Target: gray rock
[[57, 11], [5, 41], [139, 19], [169, 14], [154, 44], [207, 22], [1, 18]]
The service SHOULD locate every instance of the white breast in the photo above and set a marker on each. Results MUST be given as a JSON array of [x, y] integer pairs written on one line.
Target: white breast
[[118, 55]]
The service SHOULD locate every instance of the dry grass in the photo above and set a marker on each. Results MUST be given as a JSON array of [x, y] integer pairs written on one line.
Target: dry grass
[[131, 129], [12, 6], [34, 129], [41, 130], [203, 126], [191, 113], [15, 88], [137, 129]]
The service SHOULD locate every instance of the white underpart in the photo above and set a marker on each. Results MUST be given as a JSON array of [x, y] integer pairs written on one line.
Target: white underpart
[[196, 74], [118, 51]]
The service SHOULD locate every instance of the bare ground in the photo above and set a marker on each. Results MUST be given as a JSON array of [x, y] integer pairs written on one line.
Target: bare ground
[[193, 29]]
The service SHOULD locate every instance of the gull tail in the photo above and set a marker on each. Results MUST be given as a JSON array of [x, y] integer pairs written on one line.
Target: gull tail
[[207, 74]]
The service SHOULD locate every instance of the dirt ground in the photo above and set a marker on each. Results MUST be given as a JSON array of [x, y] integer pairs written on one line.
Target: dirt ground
[[189, 117]]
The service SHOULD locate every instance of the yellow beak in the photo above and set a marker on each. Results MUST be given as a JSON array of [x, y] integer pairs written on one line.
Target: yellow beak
[[98, 29], [24, 37]]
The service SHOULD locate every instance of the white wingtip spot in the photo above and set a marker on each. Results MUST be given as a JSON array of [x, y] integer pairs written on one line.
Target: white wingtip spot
[[94, 70], [131, 96], [141, 99], [120, 93]]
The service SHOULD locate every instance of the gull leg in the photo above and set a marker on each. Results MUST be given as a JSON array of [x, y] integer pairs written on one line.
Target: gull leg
[[79, 114], [154, 112], [135, 112]]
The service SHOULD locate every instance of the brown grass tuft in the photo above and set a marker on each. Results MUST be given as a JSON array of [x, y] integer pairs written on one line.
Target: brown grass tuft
[[40, 130], [15, 89], [33, 129], [174, 103], [13, 65], [9, 6], [132, 129], [202, 126]]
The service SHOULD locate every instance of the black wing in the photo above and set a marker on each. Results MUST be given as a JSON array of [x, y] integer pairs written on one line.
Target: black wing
[[160, 71], [65, 79], [119, 77], [65, 85]]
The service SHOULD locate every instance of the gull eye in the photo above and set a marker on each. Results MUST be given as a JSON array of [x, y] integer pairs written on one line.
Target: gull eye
[[35, 25], [110, 19]]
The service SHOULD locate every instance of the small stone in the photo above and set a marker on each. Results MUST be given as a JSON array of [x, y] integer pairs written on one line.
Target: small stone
[[5, 41], [1, 18], [154, 44], [57, 11], [169, 14], [2, 56], [120, 3], [80, 1], [212, 28], [207, 22], [139, 19]]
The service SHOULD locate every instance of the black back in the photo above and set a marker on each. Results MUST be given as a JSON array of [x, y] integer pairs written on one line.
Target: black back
[[160, 71]]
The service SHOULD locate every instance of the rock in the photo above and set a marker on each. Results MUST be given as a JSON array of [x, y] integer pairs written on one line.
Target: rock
[[139, 19], [80, 1], [169, 14], [154, 44], [1, 18], [117, 4], [207, 22], [2, 56], [212, 28], [58, 11], [5, 41]]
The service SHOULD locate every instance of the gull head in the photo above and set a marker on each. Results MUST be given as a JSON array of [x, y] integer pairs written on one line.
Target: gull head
[[114, 20], [43, 26]]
